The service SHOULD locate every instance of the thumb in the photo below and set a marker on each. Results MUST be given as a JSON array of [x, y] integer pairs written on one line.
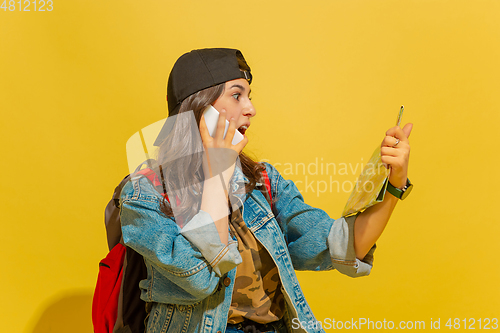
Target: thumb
[[407, 129]]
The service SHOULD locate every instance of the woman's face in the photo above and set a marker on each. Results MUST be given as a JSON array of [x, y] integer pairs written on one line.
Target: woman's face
[[236, 101]]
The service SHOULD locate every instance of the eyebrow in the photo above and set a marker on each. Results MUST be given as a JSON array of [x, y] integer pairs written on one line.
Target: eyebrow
[[241, 87]]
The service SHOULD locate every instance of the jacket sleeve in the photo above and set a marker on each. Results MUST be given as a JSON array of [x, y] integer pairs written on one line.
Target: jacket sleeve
[[315, 241], [194, 260]]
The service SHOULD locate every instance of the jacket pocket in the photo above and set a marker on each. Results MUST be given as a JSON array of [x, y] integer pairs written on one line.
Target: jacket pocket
[[160, 318]]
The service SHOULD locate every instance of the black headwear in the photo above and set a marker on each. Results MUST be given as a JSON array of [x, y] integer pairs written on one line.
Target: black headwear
[[198, 70]]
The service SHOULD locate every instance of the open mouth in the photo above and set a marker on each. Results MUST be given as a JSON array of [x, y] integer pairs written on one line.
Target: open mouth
[[243, 129]]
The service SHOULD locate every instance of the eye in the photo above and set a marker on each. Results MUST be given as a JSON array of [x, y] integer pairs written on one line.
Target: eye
[[236, 96]]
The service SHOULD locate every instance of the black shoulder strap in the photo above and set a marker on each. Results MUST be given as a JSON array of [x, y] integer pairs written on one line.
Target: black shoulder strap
[[112, 216]]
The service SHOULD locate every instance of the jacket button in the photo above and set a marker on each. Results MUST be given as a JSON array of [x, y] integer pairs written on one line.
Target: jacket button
[[227, 281]]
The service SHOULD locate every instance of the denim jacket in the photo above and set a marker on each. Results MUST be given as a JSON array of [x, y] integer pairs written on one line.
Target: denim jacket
[[191, 272]]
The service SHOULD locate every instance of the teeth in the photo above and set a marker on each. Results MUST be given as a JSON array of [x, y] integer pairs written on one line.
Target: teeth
[[242, 129]]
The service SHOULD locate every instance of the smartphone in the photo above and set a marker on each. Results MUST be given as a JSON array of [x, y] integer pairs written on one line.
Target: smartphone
[[212, 117]]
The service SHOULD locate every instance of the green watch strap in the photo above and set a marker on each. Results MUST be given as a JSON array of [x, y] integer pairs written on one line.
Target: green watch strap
[[398, 193]]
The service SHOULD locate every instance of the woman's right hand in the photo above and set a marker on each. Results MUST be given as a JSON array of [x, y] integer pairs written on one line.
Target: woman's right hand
[[219, 159], [221, 154]]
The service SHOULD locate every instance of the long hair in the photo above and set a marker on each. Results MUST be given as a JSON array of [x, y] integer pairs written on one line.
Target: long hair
[[181, 162]]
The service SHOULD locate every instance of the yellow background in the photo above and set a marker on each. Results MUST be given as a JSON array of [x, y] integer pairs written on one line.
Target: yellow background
[[329, 77]]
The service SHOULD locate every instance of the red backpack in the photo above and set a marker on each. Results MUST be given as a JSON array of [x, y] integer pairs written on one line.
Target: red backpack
[[117, 306]]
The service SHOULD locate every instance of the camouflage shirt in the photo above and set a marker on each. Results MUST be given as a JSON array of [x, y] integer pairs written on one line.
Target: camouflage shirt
[[257, 289]]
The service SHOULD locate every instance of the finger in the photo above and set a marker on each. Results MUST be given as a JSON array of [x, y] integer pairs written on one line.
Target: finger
[[407, 129], [221, 126], [397, 132], [389, 151], [393, 161], [240, 145], [203, 128], [390, 141], [230, 131]]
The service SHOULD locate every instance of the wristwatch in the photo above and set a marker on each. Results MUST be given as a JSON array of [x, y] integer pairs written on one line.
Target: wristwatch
[[398, 193]]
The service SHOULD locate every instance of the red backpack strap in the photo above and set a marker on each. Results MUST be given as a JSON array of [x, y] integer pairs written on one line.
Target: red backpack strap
[[151, 175], [268, 186], [153, 178]]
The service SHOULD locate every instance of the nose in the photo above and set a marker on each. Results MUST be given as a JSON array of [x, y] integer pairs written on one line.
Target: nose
[[249, 110]]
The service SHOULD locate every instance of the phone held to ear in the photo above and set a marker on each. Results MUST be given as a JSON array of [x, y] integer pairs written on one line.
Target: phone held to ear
[[211, 118]]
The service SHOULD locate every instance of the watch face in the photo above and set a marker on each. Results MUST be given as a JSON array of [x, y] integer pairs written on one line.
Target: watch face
[[406, 192]]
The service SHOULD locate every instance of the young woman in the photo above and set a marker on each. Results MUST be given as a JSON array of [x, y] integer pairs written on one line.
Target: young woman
[[222, 249]]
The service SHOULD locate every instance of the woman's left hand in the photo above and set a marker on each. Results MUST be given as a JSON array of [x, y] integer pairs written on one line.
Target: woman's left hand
[[395, 152]]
